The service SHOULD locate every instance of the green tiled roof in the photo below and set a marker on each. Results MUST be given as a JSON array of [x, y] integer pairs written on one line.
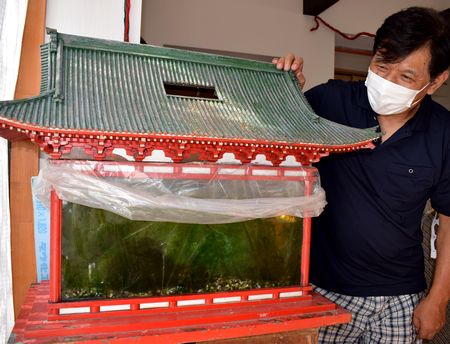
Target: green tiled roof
[[94, 85]]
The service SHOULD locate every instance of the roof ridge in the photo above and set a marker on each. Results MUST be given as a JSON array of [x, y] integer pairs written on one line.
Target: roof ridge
[[82, 42], [44, 94]]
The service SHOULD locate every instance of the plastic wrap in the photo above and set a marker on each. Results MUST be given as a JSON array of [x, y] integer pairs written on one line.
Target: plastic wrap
[[139, 229], [139, 195]]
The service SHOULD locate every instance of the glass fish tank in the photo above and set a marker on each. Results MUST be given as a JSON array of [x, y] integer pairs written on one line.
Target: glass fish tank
[[105, 255]]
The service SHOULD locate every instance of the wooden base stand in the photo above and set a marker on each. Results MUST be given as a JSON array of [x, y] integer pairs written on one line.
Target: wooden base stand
[[257, 322]]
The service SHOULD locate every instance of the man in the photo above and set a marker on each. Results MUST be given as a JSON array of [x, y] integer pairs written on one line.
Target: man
[[366, 252]]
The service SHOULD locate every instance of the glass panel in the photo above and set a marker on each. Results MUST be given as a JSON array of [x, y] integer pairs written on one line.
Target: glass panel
[[106, 256]]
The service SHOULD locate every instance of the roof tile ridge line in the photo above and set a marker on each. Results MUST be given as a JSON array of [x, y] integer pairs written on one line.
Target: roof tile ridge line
[[82, 42], [316, 118], [311, 115], [59, 72], [28, 99], [45, 82], [228, 65], [297, 82], [22, 126]]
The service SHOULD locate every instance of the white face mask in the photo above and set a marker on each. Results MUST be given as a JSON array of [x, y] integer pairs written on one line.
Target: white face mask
[[388, 98]]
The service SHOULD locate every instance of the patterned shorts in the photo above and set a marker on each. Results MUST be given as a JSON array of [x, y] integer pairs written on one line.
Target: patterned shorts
[[375, 319]]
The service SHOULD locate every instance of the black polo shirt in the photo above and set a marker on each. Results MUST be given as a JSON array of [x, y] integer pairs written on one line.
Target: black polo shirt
[[367, 242]]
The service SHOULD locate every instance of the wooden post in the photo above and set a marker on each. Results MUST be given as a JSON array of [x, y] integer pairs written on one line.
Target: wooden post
[[55, 247], [306, 242], [25, 159]]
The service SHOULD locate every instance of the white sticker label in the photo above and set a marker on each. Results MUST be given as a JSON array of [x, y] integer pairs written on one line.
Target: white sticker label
[[433, 237]]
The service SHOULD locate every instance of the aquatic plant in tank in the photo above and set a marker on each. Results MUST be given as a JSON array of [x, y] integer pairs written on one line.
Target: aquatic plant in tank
[[105, 255]]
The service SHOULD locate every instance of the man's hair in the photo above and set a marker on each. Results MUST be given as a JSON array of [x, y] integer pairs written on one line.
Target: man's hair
[[410, 29]]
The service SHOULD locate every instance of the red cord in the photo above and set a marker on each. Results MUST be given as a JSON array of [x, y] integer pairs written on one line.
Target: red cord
[[351, 37], [126, 36]]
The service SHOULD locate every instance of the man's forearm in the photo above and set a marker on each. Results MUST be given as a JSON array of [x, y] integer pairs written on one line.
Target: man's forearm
[[440, 289], [429, 315]]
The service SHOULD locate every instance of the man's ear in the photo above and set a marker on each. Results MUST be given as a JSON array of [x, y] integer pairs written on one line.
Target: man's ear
[[437, 82]]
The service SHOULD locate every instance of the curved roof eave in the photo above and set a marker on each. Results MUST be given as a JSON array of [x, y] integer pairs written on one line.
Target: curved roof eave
[[107, 92]]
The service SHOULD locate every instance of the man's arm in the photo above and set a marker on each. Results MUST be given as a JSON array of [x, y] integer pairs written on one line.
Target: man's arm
[[429, 316]]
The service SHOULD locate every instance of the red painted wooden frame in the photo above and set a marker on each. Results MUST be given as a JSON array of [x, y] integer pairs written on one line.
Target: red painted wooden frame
[[190, 324], [148, 305], [58, 143]]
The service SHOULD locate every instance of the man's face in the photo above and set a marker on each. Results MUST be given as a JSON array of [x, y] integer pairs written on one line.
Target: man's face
[[411, 72]]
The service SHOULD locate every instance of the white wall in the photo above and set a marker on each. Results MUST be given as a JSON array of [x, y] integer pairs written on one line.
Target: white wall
[[266, 27], [263, 27], [353, 16], [94, 18]]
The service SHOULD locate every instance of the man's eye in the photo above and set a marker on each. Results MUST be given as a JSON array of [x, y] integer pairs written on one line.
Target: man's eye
[[382, 68]]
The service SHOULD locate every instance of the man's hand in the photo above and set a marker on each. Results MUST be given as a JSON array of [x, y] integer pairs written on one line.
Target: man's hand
[[291, 62], [429, 317]]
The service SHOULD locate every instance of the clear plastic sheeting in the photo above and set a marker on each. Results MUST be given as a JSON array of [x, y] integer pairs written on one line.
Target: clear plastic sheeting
[[191, 193]]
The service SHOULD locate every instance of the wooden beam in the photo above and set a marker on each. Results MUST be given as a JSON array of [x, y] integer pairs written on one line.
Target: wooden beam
[[25, 159], [347, 50]]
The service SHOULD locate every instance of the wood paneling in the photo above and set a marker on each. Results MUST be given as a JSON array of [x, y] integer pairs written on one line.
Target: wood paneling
[[25, 159], [308, 336]]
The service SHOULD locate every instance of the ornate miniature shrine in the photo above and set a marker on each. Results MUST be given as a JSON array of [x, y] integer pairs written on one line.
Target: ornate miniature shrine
[[176, 183]]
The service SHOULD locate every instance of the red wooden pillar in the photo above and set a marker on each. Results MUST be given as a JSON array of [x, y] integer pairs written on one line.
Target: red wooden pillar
[[55, 247], [304, 268]]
